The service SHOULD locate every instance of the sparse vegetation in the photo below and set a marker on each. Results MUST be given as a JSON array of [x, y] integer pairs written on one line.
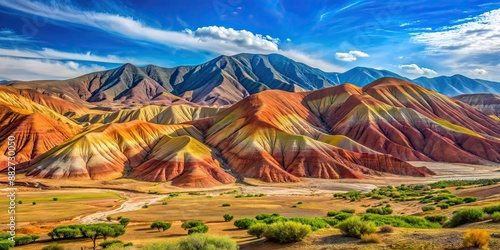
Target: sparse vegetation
[[457, 183], [407, 221], [355, 227], [477, 238], [378, 210], [196, 241], [286, 232], [52, 246]]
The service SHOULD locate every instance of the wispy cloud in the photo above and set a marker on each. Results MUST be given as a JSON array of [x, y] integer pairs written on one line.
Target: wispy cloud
[[34, 69], [47, 53], [477, 35], [350, 56], [417, 70], [218, 40], [479, 72]]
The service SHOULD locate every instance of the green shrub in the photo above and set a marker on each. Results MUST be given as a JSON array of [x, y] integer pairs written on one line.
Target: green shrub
[[378, 210], [355, 227], [145, 206], [34, 203], [439, 218], [378, 197], [164, 203], [332, 213], [124, 222], [469, 199], [342, 216], [161, 225], [443, 205], [244, 223], [226, 205], [20, 202], [257, 230], [286, 232], [491, 209], [314, 223], [6, 244], [495, 217], [227, 217], [195, 226], [55, 199], [25, 240], [108, 218], [263, 216], [348, 210], [195, 242], [53, 246], [464, 216], [406, 221], [119, 217], [331, 222], [454, 201], [428, 208], [300, 202], [108, 243]]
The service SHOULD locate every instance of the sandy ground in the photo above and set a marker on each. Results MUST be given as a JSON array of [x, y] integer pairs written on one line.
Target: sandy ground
[[132, 204]]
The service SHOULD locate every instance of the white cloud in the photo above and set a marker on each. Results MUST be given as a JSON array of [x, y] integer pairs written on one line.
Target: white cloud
[[476, 36], [479, 72], [416, 70], [350, 56], [219, 40], [288, 40], [47, 53], [34, 69], [241, 38]]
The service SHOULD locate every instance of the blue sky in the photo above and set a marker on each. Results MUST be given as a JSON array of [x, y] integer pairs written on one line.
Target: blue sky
[[67, 38]]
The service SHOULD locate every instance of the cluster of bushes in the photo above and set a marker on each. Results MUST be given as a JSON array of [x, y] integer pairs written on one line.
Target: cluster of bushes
[[355, 227], [495, 217], [350, 195], [195, 226], [115, 244], [196, 241], [492, 209], [92, 231], [379, 210], [249, 195], [457, 183], [281, 232], [407, 221], [428, 208]]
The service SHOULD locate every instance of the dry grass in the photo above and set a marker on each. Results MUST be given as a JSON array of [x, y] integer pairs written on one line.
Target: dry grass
[[371, 238], [387, 229], [476, 238]]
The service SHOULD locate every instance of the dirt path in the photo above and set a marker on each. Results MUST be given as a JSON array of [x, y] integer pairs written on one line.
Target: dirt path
[[132, 204]]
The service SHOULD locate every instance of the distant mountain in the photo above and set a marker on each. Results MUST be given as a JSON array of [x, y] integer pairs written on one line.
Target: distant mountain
[[487, 103], [222, 81], [225, 80], [361, 76], [458, 85], [448, 85]]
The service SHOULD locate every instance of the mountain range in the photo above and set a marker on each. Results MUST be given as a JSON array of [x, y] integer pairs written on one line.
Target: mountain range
[[224, 81], [248, 116]]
